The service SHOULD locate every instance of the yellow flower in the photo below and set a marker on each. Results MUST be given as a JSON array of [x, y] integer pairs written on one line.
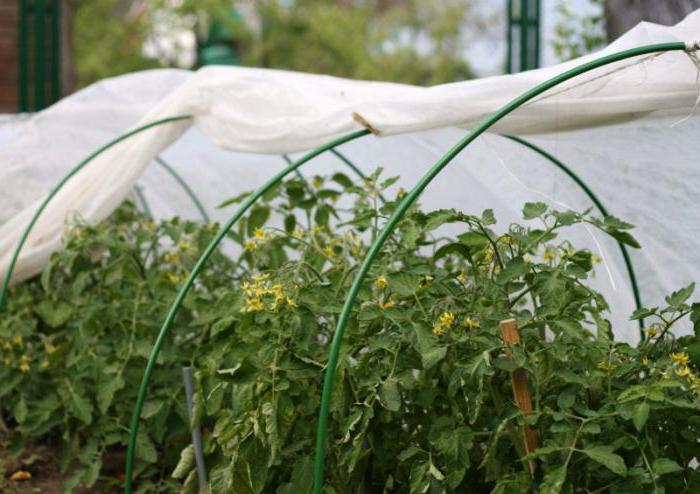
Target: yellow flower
[[17, 340], [387, 305], [7, 346], [250, 246], [291, 302], [506, 239], [175, 279], [317, 181], [606, 366], [462, 277], [488, 255], [261, 277], [44, 364], [381, 282], [679, 358], [297, 234], [253, 305], [259, 233], [328, 250], [171, 257], [148, 224], [596, 259], [447, 319], [24, 367], [549, 255], [645, 360], [185, 245], [471, 323], [684, 371], [438, 330], [651, 331], [425, 281], [400, 193]]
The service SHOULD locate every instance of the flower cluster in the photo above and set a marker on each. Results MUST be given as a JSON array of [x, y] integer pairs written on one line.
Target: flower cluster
[[262, 294], [260, 236], [680, 366], [444, 322]]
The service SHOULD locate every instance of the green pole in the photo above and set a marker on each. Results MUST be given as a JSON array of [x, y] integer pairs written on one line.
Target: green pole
[[55, 50], [23, 68], [188, 190], [579, 181], [39, 53], [59, 186], [185, 288], [406, 203]]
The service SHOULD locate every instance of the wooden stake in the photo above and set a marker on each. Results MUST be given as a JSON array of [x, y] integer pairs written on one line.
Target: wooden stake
[[521, 388]]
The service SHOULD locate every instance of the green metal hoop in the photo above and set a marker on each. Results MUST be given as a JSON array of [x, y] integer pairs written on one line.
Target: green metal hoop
[[406, 203], [579, 181], [185, 186], [184, 290], [62, 182]]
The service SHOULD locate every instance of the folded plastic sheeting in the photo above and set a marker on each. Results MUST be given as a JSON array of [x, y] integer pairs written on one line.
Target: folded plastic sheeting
[[629, 129]]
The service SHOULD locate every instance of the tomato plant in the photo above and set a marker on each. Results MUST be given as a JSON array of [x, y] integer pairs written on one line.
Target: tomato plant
[[422, 399]]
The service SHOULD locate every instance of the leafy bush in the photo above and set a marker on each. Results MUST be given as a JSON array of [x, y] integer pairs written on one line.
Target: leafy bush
[[422, 399]]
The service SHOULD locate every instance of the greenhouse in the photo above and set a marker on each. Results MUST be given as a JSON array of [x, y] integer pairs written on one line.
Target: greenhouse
[[483, 286]]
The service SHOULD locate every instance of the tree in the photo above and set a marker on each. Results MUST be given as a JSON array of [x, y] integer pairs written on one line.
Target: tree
[[622, 15]]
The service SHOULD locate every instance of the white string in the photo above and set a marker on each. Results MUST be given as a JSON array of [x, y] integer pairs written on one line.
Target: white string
[[550, 94], [692, 51], [552, 200]]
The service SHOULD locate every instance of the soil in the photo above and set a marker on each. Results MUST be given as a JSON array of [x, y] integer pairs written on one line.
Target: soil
[[42, 462]]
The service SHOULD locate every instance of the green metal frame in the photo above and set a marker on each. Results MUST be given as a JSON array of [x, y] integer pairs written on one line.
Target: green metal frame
[[188, 190], [36, 63], [184, 290], [59, 186], [405, 204], [603, 210], [528, 24]]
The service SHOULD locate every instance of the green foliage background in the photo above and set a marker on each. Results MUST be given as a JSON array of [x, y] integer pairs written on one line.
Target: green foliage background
[[409, 41]]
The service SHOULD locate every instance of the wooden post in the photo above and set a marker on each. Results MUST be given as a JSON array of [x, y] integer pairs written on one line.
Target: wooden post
[[521, 388]]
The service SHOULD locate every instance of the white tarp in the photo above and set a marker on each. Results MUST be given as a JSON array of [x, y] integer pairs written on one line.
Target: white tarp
[[629, 129]]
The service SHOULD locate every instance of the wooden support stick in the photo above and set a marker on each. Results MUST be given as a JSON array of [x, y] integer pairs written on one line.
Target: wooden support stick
[[521, 388]]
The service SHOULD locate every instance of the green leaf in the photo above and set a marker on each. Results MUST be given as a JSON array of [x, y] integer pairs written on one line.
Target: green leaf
[[567, 398], [516, 268], [623, 237], [145, 448], [553, 481], [234, 200], [679, 297], [533, 210], [186, 463], [429, 347], [640, 415], [389, 395], [105, 392], [663, 466], [257, 218], [54, 314], [606, 457], [20, 410]]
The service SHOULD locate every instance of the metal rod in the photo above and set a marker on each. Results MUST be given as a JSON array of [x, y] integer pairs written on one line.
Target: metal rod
[[55, 50], [185, 288], [406, 203], [188, 190], [188, 378], [39, 53], [579, 181], [23, 59], [59, 186], [138, 192]]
